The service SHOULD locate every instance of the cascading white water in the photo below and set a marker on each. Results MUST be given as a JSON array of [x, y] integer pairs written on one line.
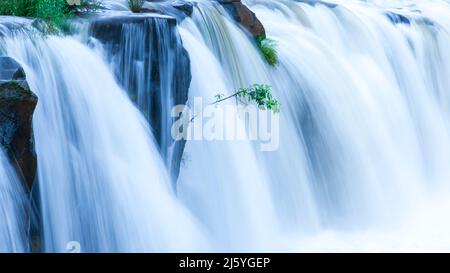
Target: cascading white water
[[376, 95], [243, 66], [221, 181], [102, 182], [149, 61], [364, 137], [120, 5], [13, 209]]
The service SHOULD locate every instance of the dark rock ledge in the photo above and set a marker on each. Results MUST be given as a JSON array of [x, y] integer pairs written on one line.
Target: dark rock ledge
[[243, 15], [17, 104], [157, 55]]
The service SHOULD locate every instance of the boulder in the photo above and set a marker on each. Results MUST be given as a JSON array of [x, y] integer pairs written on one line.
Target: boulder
[[243, 15], [108, 29], [17, 104], [184, 6], [152, 65]]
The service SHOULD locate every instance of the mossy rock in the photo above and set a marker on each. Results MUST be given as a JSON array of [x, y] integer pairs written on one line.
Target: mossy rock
[[15, 89], [17, 104]]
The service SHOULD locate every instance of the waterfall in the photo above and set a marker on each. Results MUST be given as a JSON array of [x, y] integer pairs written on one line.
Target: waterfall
[[149, 61], [243, 66], [102, 182], [378, 134], [222, 181], [13, 228], [121, 5], [363, 143], [364, 123]]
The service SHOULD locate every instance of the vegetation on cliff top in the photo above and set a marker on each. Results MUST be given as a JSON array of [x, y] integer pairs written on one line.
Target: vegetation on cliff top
[[54, 12]]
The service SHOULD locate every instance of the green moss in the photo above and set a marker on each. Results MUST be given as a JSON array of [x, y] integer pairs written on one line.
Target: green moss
[[268, 49], [20, 74], [16, 87], [55, 13], [259, 38]]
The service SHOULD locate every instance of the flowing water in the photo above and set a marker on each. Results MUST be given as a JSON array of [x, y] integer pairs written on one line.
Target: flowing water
[[102, 181], [146, 61], [364, 123], [364, 135], [239, 215], [13, 228]]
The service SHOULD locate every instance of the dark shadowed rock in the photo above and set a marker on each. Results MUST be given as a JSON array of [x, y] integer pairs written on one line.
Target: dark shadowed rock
[[153, 67], [184, 6], [147, 10], [244, 16], [17, 104], [109, 29]]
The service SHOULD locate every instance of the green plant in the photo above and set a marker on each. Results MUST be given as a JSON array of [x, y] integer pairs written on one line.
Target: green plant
[[268, 49], [11, 7], [136, 5], [55, 13], [259, 93]]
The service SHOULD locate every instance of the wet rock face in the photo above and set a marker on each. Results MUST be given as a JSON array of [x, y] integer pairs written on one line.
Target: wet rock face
[[184, 6], [244, 16], [153, 67], [17, 104], [109, 29]]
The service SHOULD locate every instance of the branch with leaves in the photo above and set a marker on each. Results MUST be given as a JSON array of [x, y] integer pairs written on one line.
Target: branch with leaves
[[258, 93]]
